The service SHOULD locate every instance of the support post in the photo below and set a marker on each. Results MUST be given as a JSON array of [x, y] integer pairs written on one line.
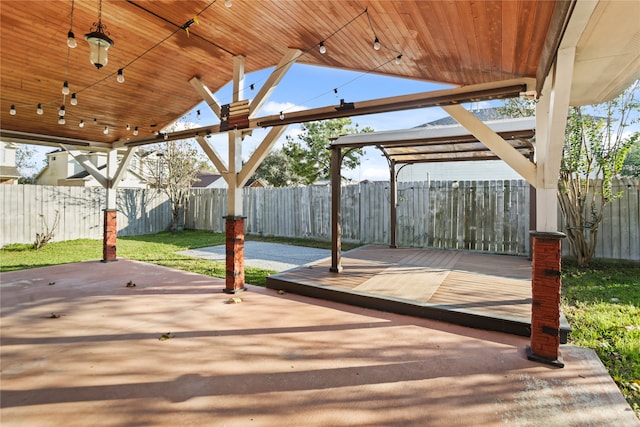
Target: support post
[[545, 300], [234, 224], [393, 200], [235, 254], [109, 236], [336, 228], [110, 229]]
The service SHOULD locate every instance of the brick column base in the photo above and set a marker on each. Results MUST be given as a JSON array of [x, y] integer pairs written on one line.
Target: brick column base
[[235, 254], [545, 294], [110, 232]]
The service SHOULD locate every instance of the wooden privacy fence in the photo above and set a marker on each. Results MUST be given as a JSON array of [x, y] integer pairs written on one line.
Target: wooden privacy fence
[[480, 215], [24, 207], [488, 216]]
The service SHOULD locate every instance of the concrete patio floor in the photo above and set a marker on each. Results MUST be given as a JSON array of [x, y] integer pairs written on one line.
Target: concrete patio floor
[[79, 348]]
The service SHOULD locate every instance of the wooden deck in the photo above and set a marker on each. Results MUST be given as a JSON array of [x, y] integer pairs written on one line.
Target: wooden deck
[[478, 290]]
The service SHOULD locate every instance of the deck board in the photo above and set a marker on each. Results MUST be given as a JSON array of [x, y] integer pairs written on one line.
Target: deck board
[[488, 289]]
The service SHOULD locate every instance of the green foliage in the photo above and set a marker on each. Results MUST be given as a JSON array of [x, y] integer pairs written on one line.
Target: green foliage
[[602, 304], [277, 170], [309, 153], [631, 165], [595, 147]]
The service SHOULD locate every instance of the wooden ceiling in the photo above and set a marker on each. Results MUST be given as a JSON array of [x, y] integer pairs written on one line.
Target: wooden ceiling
[[457, 42]]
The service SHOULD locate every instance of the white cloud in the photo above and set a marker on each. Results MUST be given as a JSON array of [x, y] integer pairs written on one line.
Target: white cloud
[[273, 107]]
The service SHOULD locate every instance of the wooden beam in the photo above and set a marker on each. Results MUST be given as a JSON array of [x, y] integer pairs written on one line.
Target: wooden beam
[[206, 95], [123, 166], [499, 146], [439, 98], [559, 21], [259, 154], [213, 155], [87, 165], [50, 141], [559, 110], [274, 79], [336, 226], [238, 78]]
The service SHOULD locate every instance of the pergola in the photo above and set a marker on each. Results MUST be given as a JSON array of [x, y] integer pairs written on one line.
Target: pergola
[[174, 54], [421, 145]]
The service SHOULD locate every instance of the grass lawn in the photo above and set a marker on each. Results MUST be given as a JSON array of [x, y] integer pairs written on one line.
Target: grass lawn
[[158, 249], [602, 303]]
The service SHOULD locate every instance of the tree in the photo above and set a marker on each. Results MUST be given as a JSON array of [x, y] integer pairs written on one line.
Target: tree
[[26, 163], [277, 170], [593, 155], [596, 144], [631, 165], [174, 170], [309, 153]]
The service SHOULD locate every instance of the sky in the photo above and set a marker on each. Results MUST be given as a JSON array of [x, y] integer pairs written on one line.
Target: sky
[[306, 86]]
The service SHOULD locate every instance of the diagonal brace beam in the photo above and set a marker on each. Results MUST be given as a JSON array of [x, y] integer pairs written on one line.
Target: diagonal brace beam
[[206, 95], [213, 155], [274, 79], [87, 165], [259, 154], [494, 142]]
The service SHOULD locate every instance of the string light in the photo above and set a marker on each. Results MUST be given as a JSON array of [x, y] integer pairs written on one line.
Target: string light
[[128, 127], [81, 124], [39, 110], [135, 131], [62, 111], [323, 48], [281, 115], [61, 120], [71, 38], [376, 44], [106, 130], [65, 88], [12, 110], [398, 59], [120, 77], [74, 99]]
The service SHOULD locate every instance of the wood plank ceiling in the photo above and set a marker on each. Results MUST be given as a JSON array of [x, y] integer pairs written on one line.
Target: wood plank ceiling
[[457, 42]]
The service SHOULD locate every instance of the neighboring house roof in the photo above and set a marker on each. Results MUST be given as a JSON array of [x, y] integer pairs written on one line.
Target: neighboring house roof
[[9, 172], [206, 179], [484, 114], [84, 174]]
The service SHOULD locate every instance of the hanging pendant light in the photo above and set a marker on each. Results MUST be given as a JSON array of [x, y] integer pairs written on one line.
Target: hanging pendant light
[[71, 38], [376, 44], [99, 42]]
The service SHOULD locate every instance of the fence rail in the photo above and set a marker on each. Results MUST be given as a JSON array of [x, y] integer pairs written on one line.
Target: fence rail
[[487, 216]]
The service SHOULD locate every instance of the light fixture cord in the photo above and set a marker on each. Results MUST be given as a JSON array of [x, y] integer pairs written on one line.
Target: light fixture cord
[[72, 8]]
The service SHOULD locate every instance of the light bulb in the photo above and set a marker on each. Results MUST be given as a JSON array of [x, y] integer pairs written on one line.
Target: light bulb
[[39, 110], [61, 120], [106, 130], [135, 131], [281, 115], [81, 124], [71, 40], [166, 136], [120, 77], [74, 99], [398, 59], [376, 44], [65, 88], [12, 110], [228, 3], [323, 48], [128, 126], [62, 111]]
